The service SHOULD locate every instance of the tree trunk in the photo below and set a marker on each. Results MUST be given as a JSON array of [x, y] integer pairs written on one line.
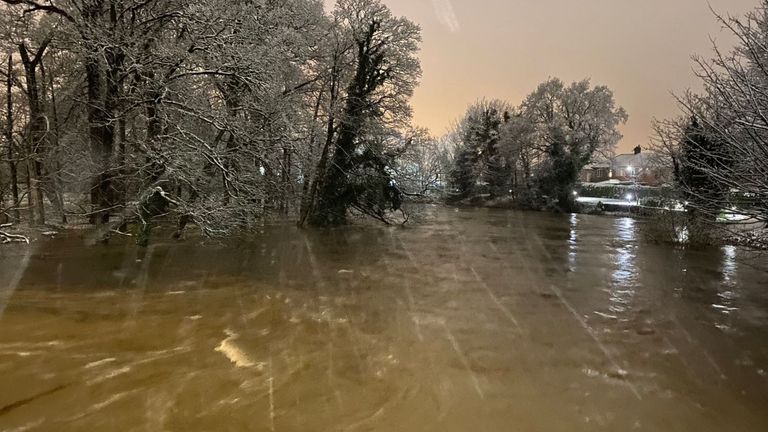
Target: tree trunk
[[308, 177], [14, 178], [37, 132], [320, 173], [154, 129], [287, 190], [101, 139], [30, 195], [53, 184], [334, 195], [36, 191]]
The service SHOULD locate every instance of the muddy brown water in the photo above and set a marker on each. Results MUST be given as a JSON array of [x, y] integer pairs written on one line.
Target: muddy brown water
[[474, 320]]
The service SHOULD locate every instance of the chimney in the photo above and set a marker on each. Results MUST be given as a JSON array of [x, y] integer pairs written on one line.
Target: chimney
[[638, 150]]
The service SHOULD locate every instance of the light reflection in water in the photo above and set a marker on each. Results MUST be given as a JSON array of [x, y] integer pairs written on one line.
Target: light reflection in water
[[572, 241], [727, 292], [624, 277], [729, 265]]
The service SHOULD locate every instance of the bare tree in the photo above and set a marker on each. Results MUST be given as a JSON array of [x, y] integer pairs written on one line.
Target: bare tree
[[720, 148]]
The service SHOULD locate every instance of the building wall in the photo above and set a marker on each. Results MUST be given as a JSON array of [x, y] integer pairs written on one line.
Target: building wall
[[643, 170], [594, 175]]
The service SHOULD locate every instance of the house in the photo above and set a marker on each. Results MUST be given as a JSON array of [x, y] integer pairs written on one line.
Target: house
[[637, 167], [596, 172], [631, 166]]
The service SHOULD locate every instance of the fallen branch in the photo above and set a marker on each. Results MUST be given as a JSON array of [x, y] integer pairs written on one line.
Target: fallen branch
[[6, 238], [118, 232]]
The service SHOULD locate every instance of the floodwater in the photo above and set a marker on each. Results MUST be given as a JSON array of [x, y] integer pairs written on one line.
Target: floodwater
[[475, 320]]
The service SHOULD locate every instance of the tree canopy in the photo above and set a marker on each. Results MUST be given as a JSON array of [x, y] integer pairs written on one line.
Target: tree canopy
[[536, 150], [238, 114]]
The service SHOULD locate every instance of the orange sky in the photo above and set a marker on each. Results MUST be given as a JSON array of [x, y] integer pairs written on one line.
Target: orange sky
[[504, 48]]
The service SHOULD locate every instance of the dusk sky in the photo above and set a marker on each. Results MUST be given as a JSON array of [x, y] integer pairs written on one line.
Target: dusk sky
[[505, 48]]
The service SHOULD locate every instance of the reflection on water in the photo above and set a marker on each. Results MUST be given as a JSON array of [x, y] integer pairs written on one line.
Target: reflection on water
[[683, 234], [625, 274], [475, 320], [728, 291], [573, 239], [16, 272]]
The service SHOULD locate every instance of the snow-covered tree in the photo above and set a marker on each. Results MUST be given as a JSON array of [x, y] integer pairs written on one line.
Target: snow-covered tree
[[538, 149], [232, 114], [481, 165], [353, 172], [572, 124]]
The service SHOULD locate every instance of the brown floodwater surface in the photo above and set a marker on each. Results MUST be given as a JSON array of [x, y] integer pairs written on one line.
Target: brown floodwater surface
[[474, 320]]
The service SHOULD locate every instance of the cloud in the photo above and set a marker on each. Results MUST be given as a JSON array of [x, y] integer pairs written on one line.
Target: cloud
[[446, 15]]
